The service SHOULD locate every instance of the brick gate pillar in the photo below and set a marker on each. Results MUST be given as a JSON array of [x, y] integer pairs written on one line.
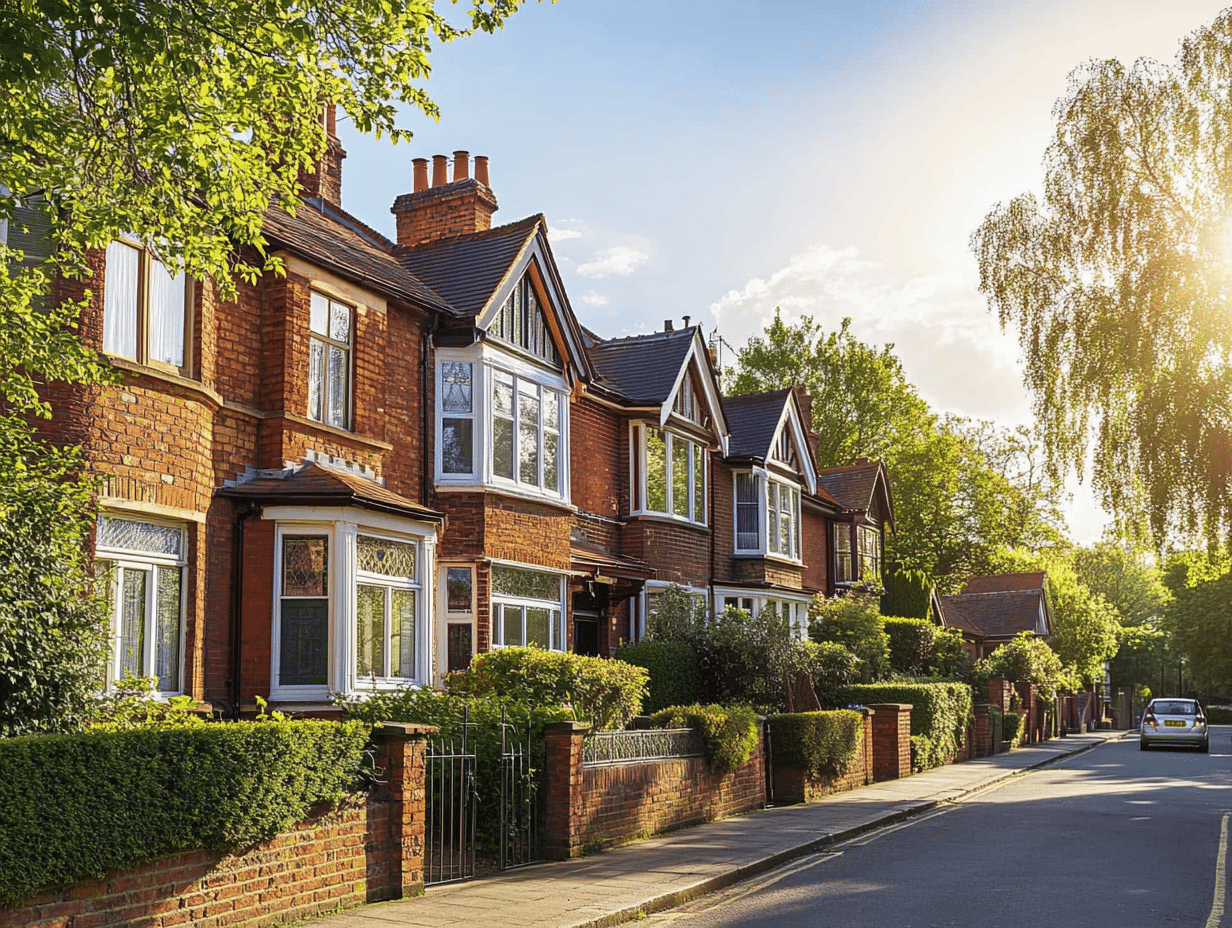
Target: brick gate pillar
[[891, 740], [564, 774], [401, 754], [983, 734]]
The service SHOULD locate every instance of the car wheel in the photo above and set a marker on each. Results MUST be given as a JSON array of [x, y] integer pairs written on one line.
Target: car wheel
[[1205, 747], [1142, 745]]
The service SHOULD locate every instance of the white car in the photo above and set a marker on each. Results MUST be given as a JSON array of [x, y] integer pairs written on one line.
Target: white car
[[1174, 721]]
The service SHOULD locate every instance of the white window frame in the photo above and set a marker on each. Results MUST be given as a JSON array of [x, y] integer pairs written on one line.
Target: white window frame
[[558, 635], [754, 602], [342, 527], [488, 363], [126, 559], [641, 605], [640, 472], [868, 534], [139, 315], [769, 517], [327, 342], [842, 533]]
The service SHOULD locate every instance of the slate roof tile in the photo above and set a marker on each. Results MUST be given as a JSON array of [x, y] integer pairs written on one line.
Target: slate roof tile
[[642, 368], [319, 486], [753, 420], [852, 486]]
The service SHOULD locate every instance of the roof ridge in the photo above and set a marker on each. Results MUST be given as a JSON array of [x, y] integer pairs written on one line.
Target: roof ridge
[[508, 227]]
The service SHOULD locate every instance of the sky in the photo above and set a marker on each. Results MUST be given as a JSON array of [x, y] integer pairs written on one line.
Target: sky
[[720, 159]]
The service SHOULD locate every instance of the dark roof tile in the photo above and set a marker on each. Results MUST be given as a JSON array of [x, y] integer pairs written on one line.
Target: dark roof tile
[[753, 420], [993, 615], [316, 485], [642, 368]]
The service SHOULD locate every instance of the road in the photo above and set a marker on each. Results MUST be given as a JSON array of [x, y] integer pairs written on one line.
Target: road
[[1112, 838]]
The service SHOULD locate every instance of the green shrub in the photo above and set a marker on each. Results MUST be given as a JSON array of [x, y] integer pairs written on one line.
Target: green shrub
[[823, 744], [940, 712], [483, 737], [1011, 727], [746, 659], [606, 693], [1025, 659], [911, 644], [73, 807], [854, 621], [1219, 715], [675, 674], [922, 754], [831, 667], [729, 733]]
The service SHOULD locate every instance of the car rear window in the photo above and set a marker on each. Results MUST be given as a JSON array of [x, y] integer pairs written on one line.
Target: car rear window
[[1174, 707]]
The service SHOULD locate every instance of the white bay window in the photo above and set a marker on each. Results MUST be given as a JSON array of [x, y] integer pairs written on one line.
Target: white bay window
[[670, 474], [762, 500]]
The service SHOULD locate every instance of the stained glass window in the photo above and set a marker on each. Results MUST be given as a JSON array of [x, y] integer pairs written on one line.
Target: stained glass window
[[304, 567], [527, 584], [389, 558], [459, 584], [145, 537]]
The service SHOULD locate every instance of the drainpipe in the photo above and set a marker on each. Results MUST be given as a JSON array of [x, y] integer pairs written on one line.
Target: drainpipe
[[425, 368], [237, 601]]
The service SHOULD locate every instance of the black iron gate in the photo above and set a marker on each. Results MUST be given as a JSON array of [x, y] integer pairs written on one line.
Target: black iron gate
[[523, 796], [451, 803]]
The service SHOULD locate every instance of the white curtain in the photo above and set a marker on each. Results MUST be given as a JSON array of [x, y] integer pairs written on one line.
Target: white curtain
[[120, 300], [166, 315]]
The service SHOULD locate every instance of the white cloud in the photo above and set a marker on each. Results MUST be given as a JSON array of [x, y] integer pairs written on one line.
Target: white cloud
[[557, 234], [591, 298], [621, 260]]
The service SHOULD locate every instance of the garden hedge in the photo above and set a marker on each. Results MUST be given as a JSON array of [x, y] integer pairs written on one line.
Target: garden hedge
[[729, 732], [823, 744], [675, 674], [73, 807], [940, 713]]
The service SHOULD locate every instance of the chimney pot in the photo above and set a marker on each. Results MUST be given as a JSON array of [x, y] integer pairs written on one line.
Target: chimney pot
[[667, 326], [481, 169], [461, 165], [686, 322], [421, 173], [440, 168]]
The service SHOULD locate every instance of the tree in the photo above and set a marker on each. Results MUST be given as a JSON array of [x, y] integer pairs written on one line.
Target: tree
[[1117, 281], [179, 123], [1125, 579], [1084, 625], [1025, 659], [1200, 620]]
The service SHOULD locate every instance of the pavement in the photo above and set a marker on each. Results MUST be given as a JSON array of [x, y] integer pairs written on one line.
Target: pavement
[[633, 881]]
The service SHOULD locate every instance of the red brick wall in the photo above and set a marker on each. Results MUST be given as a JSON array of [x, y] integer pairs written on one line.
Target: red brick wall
[[680, 554], [791, 784], [891, 741], [598, 458]]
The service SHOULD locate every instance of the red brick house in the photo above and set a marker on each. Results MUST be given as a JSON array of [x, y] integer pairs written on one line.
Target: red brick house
[[857, 539], [355, 476], [991, 611]]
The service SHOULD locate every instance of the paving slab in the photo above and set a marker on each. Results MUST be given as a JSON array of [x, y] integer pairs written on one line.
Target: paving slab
[[632, 881]]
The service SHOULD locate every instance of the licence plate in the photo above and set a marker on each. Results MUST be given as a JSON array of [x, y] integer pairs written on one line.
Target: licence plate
[[1175, 723]]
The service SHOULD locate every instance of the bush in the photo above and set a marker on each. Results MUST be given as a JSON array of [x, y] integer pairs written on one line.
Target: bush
[[1219, 715], [922, 754], [73, 807], [940, 712], [823, 744], [674, 672], [854, 621], [446, 711], [831, 667], [1011, 727], [912, 642], [606, 693], [1025, 659], [729, 733]]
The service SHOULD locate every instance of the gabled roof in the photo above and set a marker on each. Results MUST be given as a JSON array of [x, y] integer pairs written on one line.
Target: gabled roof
[[856, 487], [342, 244], [757, 419], [1000, 615], [314, 485], [998, 583]]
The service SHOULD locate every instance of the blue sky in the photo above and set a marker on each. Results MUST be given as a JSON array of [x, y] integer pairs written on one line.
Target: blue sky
[[718, 159]]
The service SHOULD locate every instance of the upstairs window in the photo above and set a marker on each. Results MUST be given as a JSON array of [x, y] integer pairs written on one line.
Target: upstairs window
[[686, 404], [672, 475], [770, 503], [843, 567], [785, 450], [521, 322], [29, 231], [525, 432], [748, 533], [783, 520], [870, 553], [145, 307], [329, 362], [457, 417]]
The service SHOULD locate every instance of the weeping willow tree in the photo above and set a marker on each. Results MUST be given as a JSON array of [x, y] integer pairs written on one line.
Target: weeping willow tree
[[1117, 280]]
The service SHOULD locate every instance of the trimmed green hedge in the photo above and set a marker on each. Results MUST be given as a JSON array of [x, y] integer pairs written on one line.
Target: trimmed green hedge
[[1219, 715], [940, 713], [675, 674], [729, 732], [823, 744], [73, 807], [1011, 727]]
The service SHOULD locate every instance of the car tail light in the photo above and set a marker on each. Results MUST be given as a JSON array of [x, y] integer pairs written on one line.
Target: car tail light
[[1149, 719]]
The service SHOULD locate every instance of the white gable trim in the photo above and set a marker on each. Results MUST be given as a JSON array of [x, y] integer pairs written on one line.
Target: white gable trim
[[792, 420], [710, 390]]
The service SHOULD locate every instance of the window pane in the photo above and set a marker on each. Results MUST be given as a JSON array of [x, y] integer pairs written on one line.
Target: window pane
[[772, 515], [167, 630], [390, 558], [304, 571], [502, 448], [537, 627], [512, 625], [551, 410], [370, 631], [459, 581], [456, 387], [746, 513], [402, 634], [166, 314], [340, 322], [132, 622], [699, 483], [551, 481], [526, 584], [147, 537], [304, 642], [458, 446], [528, 436], [120, 300], [316, 378], [337, 386], [656, 471], [680, 476], [320, 314]]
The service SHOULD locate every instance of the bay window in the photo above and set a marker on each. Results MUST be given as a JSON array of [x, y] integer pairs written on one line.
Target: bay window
[[144, 306], [145, 593], [527, 608], [672, 475], [843, 567], [762, 500]]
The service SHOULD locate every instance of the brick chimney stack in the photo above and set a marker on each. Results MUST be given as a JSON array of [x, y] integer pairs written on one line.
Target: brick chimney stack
[[326, 181], [446, 208]]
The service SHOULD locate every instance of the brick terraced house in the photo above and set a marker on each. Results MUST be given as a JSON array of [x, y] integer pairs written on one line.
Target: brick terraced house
[[403, 452]]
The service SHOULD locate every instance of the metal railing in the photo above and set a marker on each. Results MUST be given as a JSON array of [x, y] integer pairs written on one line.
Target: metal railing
[[605, 748], [450, 801]]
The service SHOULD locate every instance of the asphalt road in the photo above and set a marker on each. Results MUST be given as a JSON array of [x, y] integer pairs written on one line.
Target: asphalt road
[[1112, 838]]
